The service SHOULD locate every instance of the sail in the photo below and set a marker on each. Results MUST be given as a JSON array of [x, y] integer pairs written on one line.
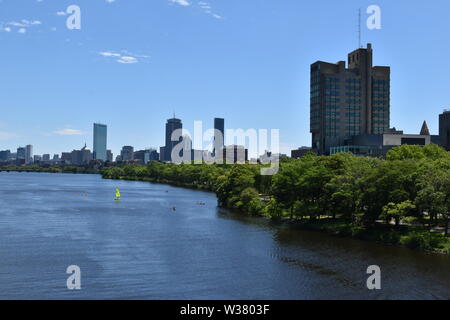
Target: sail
[[117, 193]]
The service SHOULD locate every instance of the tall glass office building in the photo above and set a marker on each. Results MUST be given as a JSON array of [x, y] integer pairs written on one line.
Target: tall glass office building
[[100, 141]]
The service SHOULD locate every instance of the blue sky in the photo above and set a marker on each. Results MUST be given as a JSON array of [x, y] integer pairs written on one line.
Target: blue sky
[[134, 62]]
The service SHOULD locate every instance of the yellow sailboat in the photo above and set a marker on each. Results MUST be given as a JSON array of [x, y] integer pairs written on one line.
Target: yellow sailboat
[[117, 198]]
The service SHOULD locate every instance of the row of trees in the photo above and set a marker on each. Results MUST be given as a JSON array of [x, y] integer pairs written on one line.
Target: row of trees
[[50, 169], [411, 186]]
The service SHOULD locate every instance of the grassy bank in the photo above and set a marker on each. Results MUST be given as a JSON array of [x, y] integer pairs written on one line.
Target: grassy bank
[[417, 238]]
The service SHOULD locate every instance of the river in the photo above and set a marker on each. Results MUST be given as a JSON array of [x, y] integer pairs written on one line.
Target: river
[[140, 248]]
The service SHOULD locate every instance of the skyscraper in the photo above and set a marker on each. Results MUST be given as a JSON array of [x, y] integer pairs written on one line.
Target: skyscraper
[[444, 129], [100, 142], [347, 102], [171, 126], [29, 154], [219, 140]]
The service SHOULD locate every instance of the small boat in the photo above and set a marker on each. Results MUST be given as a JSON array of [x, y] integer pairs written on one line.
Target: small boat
[[174, 209], [117, 198]]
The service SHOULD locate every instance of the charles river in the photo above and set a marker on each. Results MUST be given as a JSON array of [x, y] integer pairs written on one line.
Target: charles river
[[140, 248]]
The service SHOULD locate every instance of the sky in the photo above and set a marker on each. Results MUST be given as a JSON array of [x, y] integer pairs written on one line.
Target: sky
[[134, 63]]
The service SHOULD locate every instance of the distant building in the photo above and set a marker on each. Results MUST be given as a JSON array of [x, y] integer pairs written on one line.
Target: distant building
[[66, 157], [81, 157], [109, 156], [146, 156], [5, 155], [300, 152], [425, 131], [21, 154], [37, 158], [394, 131], [29, 154], [162, 154], [100, 142], [235, 154], [348, 101], [377, 145], [46, 158], [171, 126], [444, 129], [219, 134], [127, 153]]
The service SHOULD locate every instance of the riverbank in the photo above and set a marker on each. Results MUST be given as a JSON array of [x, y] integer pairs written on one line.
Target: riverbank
[[416, 238], [51, 169], [402, 200]]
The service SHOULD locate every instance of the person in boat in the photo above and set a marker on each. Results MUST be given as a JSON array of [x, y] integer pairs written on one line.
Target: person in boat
[[118, 195]]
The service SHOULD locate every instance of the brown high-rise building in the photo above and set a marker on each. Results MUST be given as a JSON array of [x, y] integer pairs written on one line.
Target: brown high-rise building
[[348, 101], [444, 129]]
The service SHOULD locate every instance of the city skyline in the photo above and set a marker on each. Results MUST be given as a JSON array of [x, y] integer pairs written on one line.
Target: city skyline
[[245, 70]]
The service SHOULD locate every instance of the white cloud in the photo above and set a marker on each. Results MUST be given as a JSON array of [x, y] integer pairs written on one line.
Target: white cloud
[[19, 26], [204, 6], [183, 3], [207, 8], [127, 59], [68, 132], [16, 24], [124, 56], [109, 54]]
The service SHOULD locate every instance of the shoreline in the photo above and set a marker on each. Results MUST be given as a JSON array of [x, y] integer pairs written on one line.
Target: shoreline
[[382, 234], [308, 225]]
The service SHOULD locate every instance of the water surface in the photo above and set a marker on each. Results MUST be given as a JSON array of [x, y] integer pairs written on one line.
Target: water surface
[[140, 248]]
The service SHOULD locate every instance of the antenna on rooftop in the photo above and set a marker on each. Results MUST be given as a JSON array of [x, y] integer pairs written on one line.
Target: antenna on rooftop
[[359, 28]]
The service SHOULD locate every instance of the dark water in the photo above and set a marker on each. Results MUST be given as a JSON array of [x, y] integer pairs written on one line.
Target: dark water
[[141, 249]]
